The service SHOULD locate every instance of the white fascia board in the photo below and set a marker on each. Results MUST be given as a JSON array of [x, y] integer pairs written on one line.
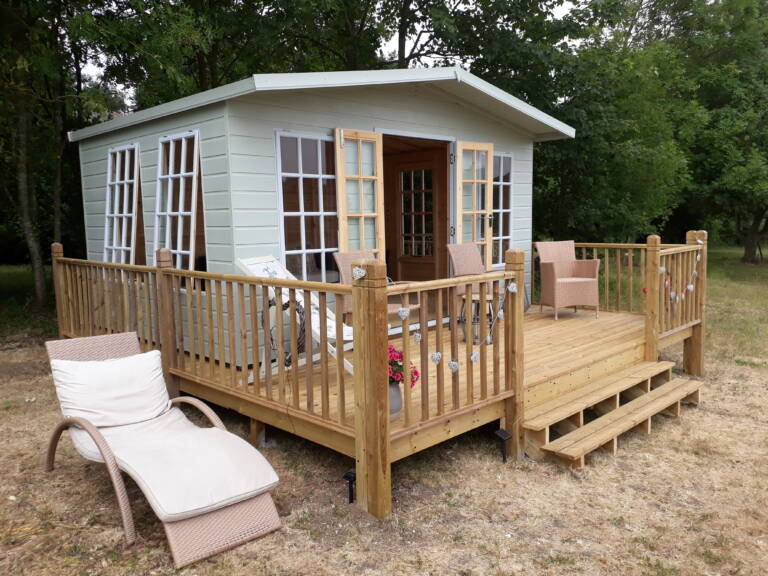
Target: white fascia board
[[162, 110], [517, 104]]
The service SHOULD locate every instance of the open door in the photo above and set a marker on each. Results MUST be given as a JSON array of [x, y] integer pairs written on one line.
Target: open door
[[360, 191], [474, 197]]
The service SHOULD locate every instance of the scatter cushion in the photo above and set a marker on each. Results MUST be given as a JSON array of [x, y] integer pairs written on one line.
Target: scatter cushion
[[184, 470], [112, 392]]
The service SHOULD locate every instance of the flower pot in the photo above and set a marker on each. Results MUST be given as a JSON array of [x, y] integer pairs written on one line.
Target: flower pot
[[395, 400]]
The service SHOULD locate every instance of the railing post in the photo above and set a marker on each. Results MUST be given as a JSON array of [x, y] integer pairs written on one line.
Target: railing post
[[693, 347], [369, 320], [166, 319], [514, 408], [57, 251], [652, 264]]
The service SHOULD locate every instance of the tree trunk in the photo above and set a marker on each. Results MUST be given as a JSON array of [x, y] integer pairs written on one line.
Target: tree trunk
[[752, 238], [25, 198]]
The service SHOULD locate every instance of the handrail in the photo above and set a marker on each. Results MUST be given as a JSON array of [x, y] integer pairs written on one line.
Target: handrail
[[680, 249], [408, 287], [338, 289], [110, 265]]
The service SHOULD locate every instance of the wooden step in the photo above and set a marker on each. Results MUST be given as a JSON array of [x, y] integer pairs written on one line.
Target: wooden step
[[606, 428], [574, 402]]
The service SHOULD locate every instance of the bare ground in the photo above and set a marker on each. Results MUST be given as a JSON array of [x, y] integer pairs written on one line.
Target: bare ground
[[690, 499]]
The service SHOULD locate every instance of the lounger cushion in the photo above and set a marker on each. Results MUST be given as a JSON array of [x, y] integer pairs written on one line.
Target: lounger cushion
[[112, 392], [184, 470]]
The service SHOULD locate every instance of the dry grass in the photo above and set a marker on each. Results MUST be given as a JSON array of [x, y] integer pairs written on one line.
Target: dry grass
[[690, 499]]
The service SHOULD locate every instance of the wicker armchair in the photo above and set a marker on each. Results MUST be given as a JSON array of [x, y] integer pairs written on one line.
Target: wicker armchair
[[566, 281]]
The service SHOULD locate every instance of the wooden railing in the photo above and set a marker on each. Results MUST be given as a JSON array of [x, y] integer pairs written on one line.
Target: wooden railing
[[461, 371], [622, 267]]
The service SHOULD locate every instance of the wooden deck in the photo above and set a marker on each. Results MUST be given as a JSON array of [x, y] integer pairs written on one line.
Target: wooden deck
[[559, 388], [559, 356]]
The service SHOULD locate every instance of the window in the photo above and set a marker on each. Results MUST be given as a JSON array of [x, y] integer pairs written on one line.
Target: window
[[179, 224], [502, 206], [123, 223], [416, 193], [308, 194]]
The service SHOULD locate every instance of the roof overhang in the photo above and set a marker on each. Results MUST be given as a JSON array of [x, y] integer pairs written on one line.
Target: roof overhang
[[453, 81]]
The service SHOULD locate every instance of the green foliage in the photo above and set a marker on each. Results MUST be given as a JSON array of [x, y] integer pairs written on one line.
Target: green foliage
[[668, 97]]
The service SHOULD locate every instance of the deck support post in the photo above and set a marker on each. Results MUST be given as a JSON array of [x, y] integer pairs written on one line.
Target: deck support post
[[652, 275], [166, 319], [371, 385], [514, 261], [57, 251], [693, 347]]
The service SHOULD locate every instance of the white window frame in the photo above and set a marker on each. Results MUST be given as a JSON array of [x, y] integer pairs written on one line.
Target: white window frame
[[165, 213], [119, 241], [301, 214], [505, 208]]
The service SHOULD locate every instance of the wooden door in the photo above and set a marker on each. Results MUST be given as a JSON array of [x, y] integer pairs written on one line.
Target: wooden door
[[416, 207], [360, 191], [474, 196]]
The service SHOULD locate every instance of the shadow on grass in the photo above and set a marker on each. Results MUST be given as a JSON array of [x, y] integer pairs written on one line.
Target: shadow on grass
[[20, 319]]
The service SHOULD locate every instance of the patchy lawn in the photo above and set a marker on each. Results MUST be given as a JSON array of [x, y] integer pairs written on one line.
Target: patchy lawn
[[690, 499]]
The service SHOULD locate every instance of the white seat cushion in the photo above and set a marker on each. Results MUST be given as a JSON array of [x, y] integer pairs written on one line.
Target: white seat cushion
[[112, 392], [184, 470]]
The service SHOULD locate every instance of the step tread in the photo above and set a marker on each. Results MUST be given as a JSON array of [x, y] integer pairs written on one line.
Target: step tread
[[598, 432], [575, 401]]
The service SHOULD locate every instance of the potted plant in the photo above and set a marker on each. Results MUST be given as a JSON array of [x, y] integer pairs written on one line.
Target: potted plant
[[397, 375]]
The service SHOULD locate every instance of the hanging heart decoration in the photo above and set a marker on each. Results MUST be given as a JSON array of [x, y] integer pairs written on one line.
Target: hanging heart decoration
[[672, 294], [512, 288], [417, 337], [662, 269], [690, 287], [436, 357], [500, 315], [403, 313], [475, 357], [453, 366], [358, 273]]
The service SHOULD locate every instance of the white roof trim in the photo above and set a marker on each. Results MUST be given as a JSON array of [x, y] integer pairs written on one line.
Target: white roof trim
[[552, 129]]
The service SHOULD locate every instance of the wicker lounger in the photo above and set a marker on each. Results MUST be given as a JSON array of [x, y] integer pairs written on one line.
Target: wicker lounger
[[196, 533]]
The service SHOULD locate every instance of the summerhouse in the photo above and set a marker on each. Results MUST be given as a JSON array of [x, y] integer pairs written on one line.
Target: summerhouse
[[216, 225], [252, 168]]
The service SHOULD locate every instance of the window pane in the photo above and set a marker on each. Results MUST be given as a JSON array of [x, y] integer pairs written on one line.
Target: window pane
[[418, 202], [293, 263], [370, 233], [309, 156], [331, 232], [466, 196], [328, 157], [418, 180], [176, 153], [496, 169], [369, 158], [329, 195], [289, 154], [496, 198], [480, 196], [353, 196], [187, 183], [311, 195], [189, 159], [481, 165], [331, 271], [369, 196], [428, 179], [407, 179], [353, 226], [314, 267], [407, 203], [466, 228], [292, 227], [350, 158], [507, 169], [312, 232], [467, 165], [290, 194], [428, 202]]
